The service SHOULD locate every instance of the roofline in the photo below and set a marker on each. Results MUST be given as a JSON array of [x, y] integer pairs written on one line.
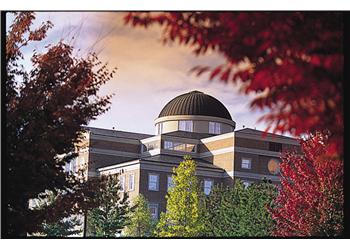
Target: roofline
[[139, 161], [194, 117], [89, 128]]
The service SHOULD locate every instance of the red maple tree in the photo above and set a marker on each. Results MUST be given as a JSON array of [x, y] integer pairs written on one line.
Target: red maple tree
[[310, 201], [293, 60], [46, 106]]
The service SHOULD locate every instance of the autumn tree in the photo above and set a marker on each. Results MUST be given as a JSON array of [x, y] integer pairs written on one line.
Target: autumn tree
[[46, 106], [183, 216], [240, 211], [112, 212], [141, 223], [310, 202], [293, 61]]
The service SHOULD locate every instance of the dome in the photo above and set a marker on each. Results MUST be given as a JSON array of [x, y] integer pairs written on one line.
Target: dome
[[195, 103]]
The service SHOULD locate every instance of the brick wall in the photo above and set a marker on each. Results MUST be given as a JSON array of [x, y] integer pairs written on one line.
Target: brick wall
[[214, 145], [118, 146]]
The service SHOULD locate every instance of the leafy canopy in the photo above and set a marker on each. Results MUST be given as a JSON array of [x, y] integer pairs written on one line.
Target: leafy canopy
[[239, 211], [311, 199], [293, 61], [183, 216], [45, 107]]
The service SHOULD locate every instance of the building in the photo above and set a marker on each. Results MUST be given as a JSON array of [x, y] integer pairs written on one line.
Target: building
[[193, 124]]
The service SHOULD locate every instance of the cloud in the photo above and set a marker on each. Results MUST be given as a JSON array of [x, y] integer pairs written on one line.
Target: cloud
[[149, 74]]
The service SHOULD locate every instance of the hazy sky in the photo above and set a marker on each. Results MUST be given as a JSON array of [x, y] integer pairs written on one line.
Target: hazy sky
[[149, 73]]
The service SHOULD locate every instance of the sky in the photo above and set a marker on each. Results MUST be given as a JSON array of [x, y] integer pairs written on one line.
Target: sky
[[149, 73]]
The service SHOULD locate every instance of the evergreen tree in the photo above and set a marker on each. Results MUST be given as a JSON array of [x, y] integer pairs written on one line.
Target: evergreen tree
[[240, 211], [111, 215], [141, 222], [64, 227], [183, 217]]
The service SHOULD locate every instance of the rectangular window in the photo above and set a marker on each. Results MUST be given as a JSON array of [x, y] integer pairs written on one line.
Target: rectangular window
[[66, 167], [82, 161], [208, 184], [179, 146], [246, 163], [214, 128], [168, 145], [186, 126], [246, 184], [170, 182], [151, 145], [190, 148], [274, 146], [159, 128], [217, 128], [153, 182], [131, 182], [153, 208], [72, 166], [122, 183]]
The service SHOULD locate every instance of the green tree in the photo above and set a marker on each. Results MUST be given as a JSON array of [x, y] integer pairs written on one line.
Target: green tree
[[46, 106], [183, 217], [111, 214], [220, 211], [254, 217], [141, 222], [65, 227], [240, 211]]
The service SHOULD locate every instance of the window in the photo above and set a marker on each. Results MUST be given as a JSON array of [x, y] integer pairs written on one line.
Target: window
[[153, 182], [82, 161], [274, 146], [151, 145], [122, 183], [246, 184], [214, 128], [131, 182], [67, 167], [208, 184], [190, 148], [159, 128], [153, 208], [168, 145], [178, 146], [73, 164], [246, 163], [186, 126], [170, 182]]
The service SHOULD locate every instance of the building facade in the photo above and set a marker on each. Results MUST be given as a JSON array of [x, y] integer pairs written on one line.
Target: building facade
[[194, 124]]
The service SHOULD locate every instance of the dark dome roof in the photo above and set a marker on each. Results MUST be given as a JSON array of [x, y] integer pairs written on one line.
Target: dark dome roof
[[195, 103]]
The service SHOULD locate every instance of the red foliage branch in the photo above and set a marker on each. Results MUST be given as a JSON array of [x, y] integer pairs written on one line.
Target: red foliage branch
[[293, 60], [310, 202]]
